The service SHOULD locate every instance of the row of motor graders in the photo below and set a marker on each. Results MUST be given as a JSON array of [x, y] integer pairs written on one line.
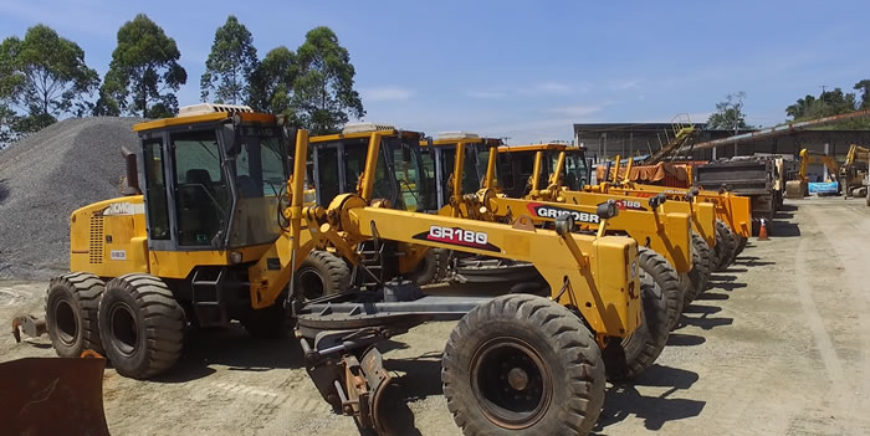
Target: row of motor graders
[[231, 215]]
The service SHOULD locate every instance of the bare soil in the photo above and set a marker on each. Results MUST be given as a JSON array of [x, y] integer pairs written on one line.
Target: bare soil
[[778, 345]]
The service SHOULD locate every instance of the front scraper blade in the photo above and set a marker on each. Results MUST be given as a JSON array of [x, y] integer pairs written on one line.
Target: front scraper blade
[[52, 396]]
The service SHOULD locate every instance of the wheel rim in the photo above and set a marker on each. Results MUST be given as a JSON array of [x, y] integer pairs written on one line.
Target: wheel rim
[[123, 327], [67, 325], [511, 383], [311, 282]]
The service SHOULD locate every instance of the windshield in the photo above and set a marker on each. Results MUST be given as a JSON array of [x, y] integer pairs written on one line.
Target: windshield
[[470, 173], [415, 188], [202, 198], [576, 171], [259, 170]]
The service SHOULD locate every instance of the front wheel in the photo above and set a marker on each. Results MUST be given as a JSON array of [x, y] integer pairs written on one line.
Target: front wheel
[[726, 245], [523, 363], [645, 344], [702, 258]]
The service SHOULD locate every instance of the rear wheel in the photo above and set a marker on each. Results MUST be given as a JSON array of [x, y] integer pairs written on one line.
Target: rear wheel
[[699, 275], [321, 274], [71, 304], [142, 325], [432, 268], [522, 363], [658, 282]]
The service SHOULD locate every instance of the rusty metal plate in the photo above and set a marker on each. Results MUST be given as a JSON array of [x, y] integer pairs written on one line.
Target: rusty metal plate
[[52, 396]]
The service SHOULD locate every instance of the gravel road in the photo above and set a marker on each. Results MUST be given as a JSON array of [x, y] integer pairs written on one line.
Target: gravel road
[[779, 345]]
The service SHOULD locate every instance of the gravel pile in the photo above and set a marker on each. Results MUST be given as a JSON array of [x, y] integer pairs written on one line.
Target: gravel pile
[[44, 178]]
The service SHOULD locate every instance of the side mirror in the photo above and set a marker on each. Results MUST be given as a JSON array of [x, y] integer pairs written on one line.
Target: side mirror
[[131, 187], [692, 194], [607, 210], [658, 200]]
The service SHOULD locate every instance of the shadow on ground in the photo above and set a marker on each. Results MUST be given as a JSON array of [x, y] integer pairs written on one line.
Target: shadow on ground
[[624, 400], [783, 229], [234, 348]]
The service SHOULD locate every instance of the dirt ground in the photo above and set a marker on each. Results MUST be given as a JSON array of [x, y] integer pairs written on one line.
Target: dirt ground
[[779, 345]]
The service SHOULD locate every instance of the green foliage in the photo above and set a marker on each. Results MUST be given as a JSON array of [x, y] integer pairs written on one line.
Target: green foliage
[[271, 85], [144, 63], [323, 95], [864, 87], [44, 75], [729, 114], [830, 103], [229, 66]]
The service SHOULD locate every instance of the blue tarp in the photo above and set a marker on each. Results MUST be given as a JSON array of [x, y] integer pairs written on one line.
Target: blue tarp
[[822, 187]]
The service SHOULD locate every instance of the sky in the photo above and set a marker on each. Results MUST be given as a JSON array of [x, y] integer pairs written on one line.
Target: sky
[[526, 70]]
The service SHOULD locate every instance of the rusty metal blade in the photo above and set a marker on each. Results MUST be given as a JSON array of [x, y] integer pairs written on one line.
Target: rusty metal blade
[[51, 396], [378, 380]]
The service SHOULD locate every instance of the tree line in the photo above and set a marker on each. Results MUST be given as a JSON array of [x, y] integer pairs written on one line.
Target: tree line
[[729, 114], [44, 77]]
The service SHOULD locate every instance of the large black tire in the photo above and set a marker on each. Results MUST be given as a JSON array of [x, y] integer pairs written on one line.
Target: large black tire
[[741, 244], [142, 325], [321, 274], [726, 245], [522, 364], [699, 275], [433, 267], [660, 296], [660, 272], [71, 303], [268, 323]]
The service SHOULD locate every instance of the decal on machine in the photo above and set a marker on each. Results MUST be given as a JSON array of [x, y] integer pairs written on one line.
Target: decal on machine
[[120, 209], [458, 236], [629, 205], [544, 211], [118, 255]]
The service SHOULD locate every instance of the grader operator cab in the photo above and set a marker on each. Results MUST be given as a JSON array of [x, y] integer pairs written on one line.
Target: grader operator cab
[[147, 266]]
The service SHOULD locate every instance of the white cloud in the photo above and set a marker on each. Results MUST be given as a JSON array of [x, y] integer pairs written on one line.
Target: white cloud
[[623, 85], [576, 111], [548, 88], [386, 93], [485, 94]]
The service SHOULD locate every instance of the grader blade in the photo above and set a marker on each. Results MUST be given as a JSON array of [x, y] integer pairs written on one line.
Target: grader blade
[[379, 381], [366, 381], [49, 396]]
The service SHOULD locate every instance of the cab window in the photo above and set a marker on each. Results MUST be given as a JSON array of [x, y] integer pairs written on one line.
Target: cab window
[[201, 191], [155, 191]]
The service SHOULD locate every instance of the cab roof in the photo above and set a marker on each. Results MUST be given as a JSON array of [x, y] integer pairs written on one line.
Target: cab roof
[[442, 142], [201, 118], [534, 147], [365, 134]]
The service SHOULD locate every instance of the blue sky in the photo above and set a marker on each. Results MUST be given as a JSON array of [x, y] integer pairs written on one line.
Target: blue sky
[[522, 69]]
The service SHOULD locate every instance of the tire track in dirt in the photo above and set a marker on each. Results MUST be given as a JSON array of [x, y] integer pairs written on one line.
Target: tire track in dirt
[[847, 233], [839, 395]]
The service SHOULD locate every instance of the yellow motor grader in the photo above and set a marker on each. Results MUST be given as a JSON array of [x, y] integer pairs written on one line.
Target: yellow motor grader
[[214, 228], [465, 166], [532, 175], [733, 212]]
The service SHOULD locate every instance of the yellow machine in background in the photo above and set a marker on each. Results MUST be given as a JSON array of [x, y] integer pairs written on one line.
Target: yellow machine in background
[[540, 181], [798, 188], [854, 172]]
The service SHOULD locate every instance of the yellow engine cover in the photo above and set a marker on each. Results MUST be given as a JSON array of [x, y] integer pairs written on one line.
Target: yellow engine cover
[[108, 238]]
